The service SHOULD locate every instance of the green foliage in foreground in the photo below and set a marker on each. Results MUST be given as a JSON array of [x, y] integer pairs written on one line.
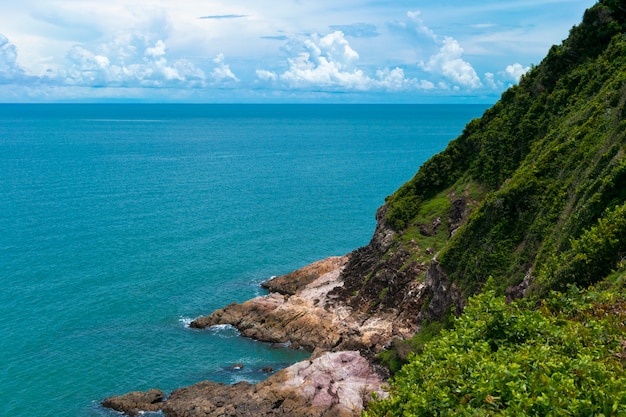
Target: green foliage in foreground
[[566, 358], [401, 350]]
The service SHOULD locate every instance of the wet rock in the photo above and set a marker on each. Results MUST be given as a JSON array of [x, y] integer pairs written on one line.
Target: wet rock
[[134, 403]]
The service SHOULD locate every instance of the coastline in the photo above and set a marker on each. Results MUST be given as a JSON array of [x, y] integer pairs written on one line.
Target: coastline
[[343, 309], [303, 312]]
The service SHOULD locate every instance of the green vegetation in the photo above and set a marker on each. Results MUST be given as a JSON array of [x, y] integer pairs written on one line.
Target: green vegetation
[[544, 176], [549, 158], [593, 254], [567, 358], [401, 350]]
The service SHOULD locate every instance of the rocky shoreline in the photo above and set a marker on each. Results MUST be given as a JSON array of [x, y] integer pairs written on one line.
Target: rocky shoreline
[[343, 309], [306, 311], [338, 379], [334, 384]]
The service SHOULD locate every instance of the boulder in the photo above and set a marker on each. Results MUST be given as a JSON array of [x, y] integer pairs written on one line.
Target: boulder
[[134, 403]]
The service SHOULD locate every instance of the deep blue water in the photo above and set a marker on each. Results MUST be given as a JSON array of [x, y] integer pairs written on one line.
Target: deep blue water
[[119, 223]]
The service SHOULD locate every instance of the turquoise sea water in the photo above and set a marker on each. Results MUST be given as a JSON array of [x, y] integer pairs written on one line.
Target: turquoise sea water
[[119, 223]]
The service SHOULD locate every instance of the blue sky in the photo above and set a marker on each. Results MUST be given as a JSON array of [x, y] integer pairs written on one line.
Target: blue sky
[[274, 51]]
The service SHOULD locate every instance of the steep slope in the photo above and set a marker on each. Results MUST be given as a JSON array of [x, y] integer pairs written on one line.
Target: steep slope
[[520, 196]]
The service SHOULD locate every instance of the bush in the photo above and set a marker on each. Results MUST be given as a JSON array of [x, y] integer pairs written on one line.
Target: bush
[[504, 360], [592, 256]]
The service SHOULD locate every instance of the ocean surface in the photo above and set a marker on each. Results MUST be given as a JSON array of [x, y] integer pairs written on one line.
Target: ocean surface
[[121, 223]]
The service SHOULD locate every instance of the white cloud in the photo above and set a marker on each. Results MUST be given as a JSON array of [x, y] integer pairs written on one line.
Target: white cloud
[[157, 51], [330, 63], [393, 80], [129, 61], [448, 62], [420, 27], [326, 62], [222, 73], [10, 71], [266, 75], [514, 72], [490, 80]]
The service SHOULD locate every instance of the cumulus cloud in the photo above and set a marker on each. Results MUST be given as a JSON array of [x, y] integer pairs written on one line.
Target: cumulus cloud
[[448, 62], [327, 61], [266, 75], [514, 72], [10, 71], [129, 62], [222, 73], [490, 80], [330, 63], [157, 51], [395, 80], [418, 23]]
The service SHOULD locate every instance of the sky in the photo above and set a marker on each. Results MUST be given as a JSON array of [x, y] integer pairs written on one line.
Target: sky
[[240, 51]]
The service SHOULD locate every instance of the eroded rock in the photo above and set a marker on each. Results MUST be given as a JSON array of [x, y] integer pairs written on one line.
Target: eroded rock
[[294, 281], [337, 384], [134, 403], [313, 317]]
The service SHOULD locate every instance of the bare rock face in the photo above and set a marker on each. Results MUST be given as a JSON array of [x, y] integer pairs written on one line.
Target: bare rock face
[[444, 294], [333, 385], [296, 280], [313, 317]]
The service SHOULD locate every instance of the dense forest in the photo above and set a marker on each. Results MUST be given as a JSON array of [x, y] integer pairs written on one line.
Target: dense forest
[[537, 256]]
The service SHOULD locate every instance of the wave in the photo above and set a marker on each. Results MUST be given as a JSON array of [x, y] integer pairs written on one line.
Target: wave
[[186, 321], [224, 330]]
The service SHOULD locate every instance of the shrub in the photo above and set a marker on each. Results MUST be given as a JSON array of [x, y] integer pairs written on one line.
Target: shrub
[[504, 360]]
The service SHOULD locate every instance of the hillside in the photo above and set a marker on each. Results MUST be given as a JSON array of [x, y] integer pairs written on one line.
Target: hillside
[[528, 204], [521, 195]]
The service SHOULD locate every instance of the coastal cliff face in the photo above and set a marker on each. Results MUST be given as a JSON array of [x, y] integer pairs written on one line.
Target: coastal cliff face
[[364, 300]]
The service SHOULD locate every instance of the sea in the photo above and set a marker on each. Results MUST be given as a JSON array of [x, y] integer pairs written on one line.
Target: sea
[[120, 223]]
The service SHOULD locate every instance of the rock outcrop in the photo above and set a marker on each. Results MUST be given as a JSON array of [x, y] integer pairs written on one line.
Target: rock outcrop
[[315, 316], [135, 403], [335, 384], [294, 281]]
